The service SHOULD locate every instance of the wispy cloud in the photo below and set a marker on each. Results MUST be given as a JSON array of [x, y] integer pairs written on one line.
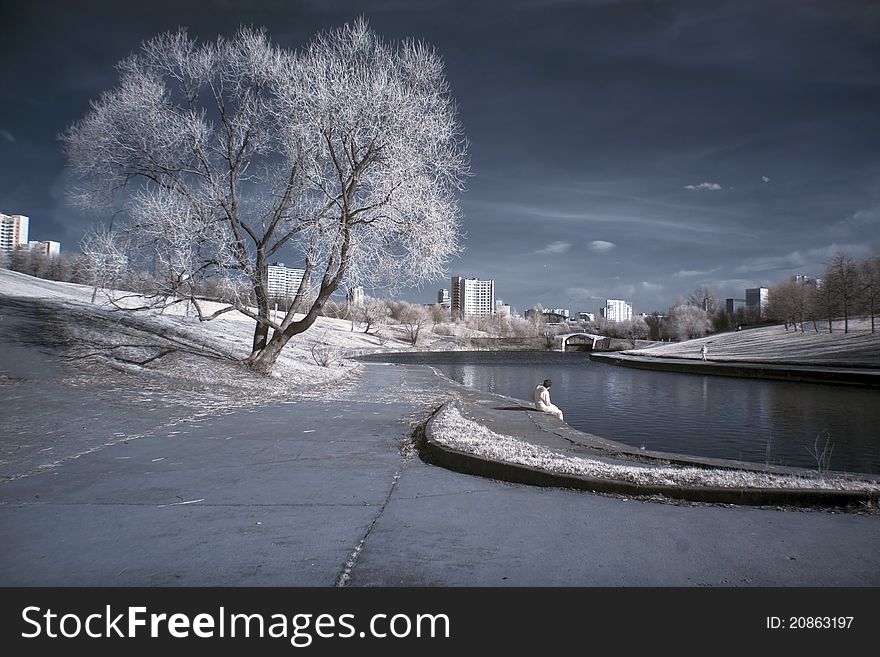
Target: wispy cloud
[[866, 217], [651, 287], [555, 248], [710, 186], [582, 294], [8, 136], [765, 179], [601, 246], [689, 273], [798, 259]]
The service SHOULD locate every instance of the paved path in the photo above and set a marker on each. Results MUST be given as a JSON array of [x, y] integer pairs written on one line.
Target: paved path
[[328, 491]]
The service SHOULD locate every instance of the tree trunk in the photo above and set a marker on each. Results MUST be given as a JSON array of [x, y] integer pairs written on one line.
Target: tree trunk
[[261, 338], [263, 360]]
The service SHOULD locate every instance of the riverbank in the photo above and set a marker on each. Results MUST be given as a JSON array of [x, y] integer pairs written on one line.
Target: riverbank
[[195, 367], [327, 492], [110, 480], [859, 348], [857, 376]]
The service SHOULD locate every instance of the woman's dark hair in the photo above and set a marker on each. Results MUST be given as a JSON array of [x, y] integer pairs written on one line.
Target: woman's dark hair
[[547, 383]]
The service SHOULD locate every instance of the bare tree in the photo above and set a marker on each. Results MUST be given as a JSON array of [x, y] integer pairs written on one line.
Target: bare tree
[[685, 321], [636, 329], [372, 312], [413, 318], [325, 353], [826, 302], [348, 153], [791, 302], [439, 315], [104, 260], [653, 323], [703, 297], [841, 280], [869, 275]]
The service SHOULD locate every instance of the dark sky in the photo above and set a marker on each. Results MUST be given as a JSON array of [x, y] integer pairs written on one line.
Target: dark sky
[[620, 149]]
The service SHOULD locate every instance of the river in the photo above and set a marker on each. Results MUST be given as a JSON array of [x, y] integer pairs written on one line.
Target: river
[[773, 422]]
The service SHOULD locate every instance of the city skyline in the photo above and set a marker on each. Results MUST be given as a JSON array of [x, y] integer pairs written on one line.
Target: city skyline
[[631, 150]]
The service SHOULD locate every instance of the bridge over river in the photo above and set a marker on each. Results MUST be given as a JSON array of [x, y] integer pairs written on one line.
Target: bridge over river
[[564, 339]]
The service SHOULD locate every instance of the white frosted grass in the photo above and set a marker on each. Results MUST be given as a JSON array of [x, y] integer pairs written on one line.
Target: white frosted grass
[[453, 430], [773, 344]]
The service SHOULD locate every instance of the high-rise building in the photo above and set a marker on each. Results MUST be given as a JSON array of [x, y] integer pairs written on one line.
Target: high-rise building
[[283, 282], [13, 232], [733, 305], [48, 248], [471, 296], [756, 299], [355, 296], [617, 310]]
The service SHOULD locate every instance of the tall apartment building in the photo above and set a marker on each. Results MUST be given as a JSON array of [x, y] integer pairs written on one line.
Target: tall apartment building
[[471, 296], [617, 310], [354, 297], [283, 282], [756, 299], [13, 232], [47, 248], [733, 305]]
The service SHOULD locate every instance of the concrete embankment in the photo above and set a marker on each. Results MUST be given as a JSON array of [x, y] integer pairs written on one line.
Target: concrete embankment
[[516, 419], [859, 376]]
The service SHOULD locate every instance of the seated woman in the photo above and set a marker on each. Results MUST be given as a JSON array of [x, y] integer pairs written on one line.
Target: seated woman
[[542, 399]]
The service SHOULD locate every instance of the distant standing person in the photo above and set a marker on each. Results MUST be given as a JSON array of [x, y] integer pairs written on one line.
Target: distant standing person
[[542, 399], [703, 351]]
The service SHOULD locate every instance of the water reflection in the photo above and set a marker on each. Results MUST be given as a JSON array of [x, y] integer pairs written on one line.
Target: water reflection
[[773, 422]]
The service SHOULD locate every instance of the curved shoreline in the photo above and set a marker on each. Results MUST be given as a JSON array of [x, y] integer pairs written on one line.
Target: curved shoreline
[[516, 418]]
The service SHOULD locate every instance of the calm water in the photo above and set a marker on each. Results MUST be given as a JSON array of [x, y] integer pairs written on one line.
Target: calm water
[[773, 422]]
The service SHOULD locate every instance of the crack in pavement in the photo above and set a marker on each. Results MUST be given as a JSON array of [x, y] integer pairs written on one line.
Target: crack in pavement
[[345, 575]]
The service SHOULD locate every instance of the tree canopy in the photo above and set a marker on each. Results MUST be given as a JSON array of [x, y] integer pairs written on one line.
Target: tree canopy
[[347, 154]]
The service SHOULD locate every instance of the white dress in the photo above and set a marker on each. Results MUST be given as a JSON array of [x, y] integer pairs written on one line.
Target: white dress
[[543, 404]]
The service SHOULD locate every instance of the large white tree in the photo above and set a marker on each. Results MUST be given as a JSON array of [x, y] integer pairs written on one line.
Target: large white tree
[[347, 153]]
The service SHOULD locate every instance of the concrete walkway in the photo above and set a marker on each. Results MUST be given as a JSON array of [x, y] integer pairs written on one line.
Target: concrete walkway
[[329, 492]]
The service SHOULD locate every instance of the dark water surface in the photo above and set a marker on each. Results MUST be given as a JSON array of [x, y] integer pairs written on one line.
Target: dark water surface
[[776, 422]]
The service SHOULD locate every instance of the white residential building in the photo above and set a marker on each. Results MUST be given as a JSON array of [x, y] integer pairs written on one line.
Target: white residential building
[[617, 310], [13, 232], [355, 296], [47, 248], [502, 309], [471, 296], [283, 282]]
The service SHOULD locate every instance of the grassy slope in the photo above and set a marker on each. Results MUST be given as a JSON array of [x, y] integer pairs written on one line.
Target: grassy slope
[[176, 348], [773, 344]]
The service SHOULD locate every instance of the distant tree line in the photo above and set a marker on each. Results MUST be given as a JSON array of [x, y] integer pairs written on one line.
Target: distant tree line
[[847, 288]]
